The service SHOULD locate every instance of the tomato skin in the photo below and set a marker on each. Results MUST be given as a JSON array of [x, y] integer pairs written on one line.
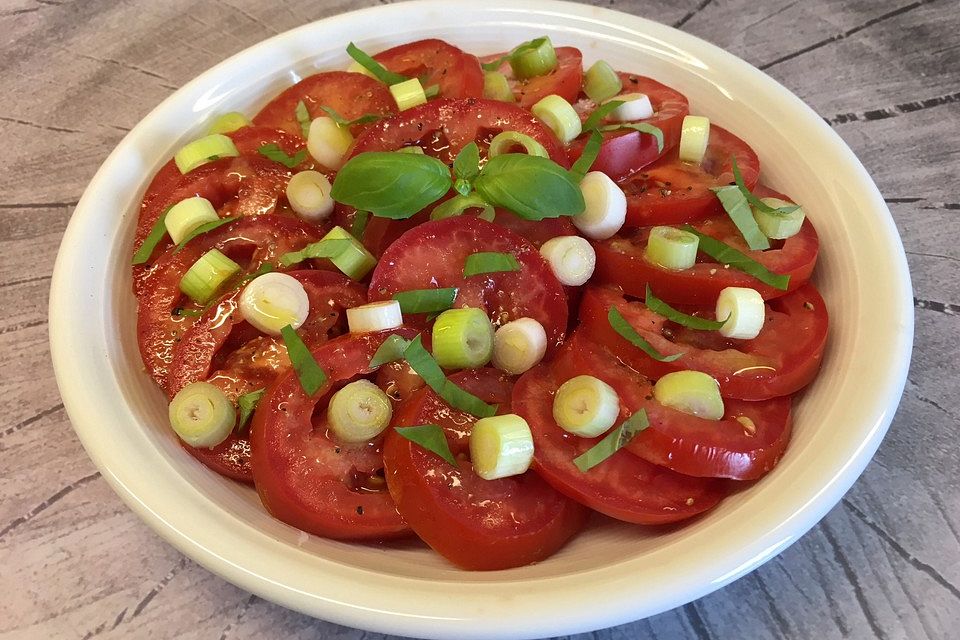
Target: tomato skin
[[457, 73], [565, 80], [781, 360], [302, 475], [474, 523]]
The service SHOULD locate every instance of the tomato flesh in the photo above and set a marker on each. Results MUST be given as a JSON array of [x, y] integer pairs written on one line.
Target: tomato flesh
[[457, 73]]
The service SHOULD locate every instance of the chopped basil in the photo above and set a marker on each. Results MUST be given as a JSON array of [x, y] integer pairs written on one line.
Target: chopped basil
[[390, 351], [489, 262], [247, 403], [519, 50], [602, 111], [390, 184], [360, 220], [628, 333], [275, 153], [431, 438], [423, 363], [374, 67], [466, 165], [738, 208], [725, 254], [613, 442], [303, 118], [587, 157], [344, 122], [754, 200], [309, 373], [532, 187], [426, 300], [660, 307], [202, 229], [153, 239], [328, 248], [642, 127]]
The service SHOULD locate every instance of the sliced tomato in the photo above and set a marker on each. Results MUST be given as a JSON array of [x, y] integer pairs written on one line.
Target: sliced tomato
[[250, 241], [474, 523], [433, 256], [303, 475], [781, 360], [457, 73], [565, 79], [671, 192], [626, 151]]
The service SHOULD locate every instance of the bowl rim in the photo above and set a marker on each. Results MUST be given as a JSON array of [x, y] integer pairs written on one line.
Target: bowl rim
[[525, 613]]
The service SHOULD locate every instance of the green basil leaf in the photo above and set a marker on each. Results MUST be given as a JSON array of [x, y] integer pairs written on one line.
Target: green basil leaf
[[466, 165], [613, 442], [660, 307], [390, 351], [202, 229], [725, 254], [374, 67], [426, 300], [532, 187], [309, 373], [153, 239], [489, 262], [737, 207], [328, 248], [628, 333], [587, 157], [423, 363], [344, 122], [360, 220], [275, 153], [642, 127], [247, 403], [431, 438], [303, 118], [754, 200], [391, 185], [594, 120]]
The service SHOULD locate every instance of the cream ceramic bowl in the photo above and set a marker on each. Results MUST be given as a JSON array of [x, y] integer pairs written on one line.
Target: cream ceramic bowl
[[612, 573]]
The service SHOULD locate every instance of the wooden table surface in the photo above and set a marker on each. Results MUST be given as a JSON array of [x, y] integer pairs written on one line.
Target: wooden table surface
[[77, 75]]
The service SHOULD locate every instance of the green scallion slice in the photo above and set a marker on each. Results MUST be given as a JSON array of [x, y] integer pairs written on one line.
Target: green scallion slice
[[613, 442], [497, 87], [725, 254], [321, 249], [303, 118], [431, 438], [738, 208], [390, 351], [601, 82], [228, 123], [341, 248], [247, 403], [426, 300], [205, 276], [534, 58], [275, 153], [153, 239], [489, 262], [423, 363], [628, 333], [311, 376], [204, 150], [506, 141], [588, 156], [660, 307]]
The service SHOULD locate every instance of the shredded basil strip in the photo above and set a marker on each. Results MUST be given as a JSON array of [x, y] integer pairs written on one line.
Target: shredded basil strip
[[588, 156], [426, 300], [602, 111], [391, 184], [754, 200], [628, 333], [423, 363], [520, 49], [660, 307], [202, 229], [431, 438], [489, 262], [738, 208], [613, 442], [432, 91], [153, 239], [247, 403], [303, 117], [390, 351], [642, 127], [328, 248], [360, 220], [367, 62], [275, 153], [309, 373], [725, 254], [344, 122]]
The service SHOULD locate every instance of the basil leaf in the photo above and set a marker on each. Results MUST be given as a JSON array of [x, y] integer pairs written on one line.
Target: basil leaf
[[360, 220], [754, 200], [532, 187], [374, 67], [309, 373], [431, 438], [423, 363], [390, 351], [391, 185], [725, 254], [642, 127], [426, 300], [602, 111], [328, 248], [466, 165], [587, 157], [737, 207], [660, 307], [153, 239], [275, 153], [202, 229], [628, 333], [489, 262], [303, 117], [247, 403], [343, 122], [613, 442]]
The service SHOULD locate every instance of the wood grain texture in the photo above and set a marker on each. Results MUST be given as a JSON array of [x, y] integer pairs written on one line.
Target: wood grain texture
[[76, 563]]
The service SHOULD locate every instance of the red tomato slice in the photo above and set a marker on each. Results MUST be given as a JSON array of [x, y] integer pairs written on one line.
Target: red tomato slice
[[349, 94], [565, 79], [783, 359], [457, 73], [620, 261], [433, 256], [624, 486], [671, 192], [250, 241], [625, 151], [303, 475], [474, 523]]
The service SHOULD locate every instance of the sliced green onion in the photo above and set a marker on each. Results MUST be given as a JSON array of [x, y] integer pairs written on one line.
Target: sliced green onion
[[560, 116], [309, 373], [429, 437], [506, 141], [188, 214], [344, 122], [273, 152], [691, 392], [273, 301], [534, 58], [431, 91], [228, 123], [152, 240], [206, 149], [205, 277], [694, 139], [202, 229], [601, 82], [462, 339], [423, 363], [375, 68], [585, 406], [727, 255], [408, 94], [671, 248], [591, 150], [628, 333], [737, 207], [497, 87], [375, 316], [328, 142], [744, 311], [303, 118], [247, 403], [661, 308], [456, 205], [359, 412], [426, 300], [390, 351], [616, 440], [308, 193], [501, 446], [489, 262], [202, 415], [360, 220], [778, 225], [642, 127], [632, 107], [341, 248]]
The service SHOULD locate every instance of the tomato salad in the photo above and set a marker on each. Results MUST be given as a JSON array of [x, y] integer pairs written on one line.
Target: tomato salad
[[474, 300]]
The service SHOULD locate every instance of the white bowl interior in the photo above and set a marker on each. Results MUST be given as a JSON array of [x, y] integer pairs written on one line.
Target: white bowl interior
[[612, 572]]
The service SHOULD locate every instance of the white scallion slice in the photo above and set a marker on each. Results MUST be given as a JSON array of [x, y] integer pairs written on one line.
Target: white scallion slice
[[571, 258], [202, 415], [744, 312], [560, 116], [328, 142], [606, 207], [777, 225], [636, 106], [205, 277], [586, 406], [672, 248], [496, 87], [375, 316], [274, 300], [204, 150], [501, 446], [694, 138], [507, 141], [187, 215], [601, 82], [308, 193], [228, 123], [359, 412], [519, 345], [462, 338], [408, 94], [692, 392]]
